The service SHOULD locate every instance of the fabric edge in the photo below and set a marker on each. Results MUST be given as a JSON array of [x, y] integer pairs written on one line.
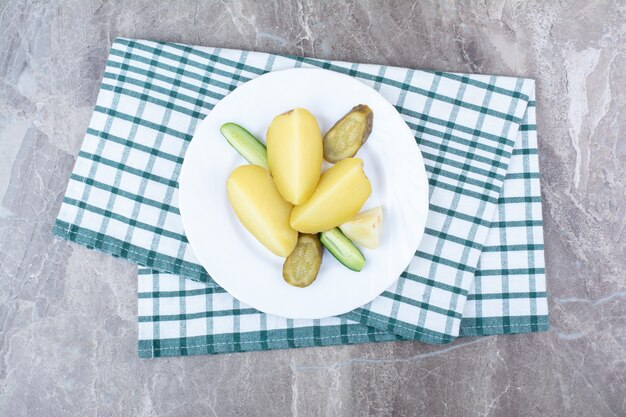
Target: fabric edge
[[299, 338], [128, 252]]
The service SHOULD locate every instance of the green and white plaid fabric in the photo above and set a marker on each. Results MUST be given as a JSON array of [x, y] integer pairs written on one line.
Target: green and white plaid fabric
[[479, 269]]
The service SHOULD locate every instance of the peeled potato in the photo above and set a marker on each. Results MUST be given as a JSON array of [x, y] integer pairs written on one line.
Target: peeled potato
[[365, 228], [261, 209], [340, 194], [295, 153]]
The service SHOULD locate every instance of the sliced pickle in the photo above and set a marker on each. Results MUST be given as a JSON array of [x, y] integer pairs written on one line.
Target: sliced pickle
[[344, 139], [302, 265]]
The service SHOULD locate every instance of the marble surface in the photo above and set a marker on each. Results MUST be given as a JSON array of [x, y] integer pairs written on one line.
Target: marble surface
[[68, 315]]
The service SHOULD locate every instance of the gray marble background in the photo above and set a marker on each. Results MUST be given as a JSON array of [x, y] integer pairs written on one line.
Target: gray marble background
[[68, 315]]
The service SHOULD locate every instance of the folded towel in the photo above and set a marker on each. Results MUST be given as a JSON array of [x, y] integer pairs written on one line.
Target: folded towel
[[479, 269]]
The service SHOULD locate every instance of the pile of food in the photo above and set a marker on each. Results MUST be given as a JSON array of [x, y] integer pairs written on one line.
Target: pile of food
[[293, 208]]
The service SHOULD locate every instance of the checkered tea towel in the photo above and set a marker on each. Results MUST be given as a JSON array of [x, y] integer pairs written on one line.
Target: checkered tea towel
[[479, 269]]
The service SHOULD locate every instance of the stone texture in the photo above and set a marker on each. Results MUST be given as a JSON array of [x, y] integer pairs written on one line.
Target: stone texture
[[68, 315]]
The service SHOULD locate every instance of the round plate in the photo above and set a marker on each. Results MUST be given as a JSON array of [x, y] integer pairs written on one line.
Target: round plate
[[237, 261]]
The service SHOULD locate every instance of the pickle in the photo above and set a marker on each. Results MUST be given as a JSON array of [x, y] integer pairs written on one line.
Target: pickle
[[246, 144], [302, 265], [344, 139], [343, 249]]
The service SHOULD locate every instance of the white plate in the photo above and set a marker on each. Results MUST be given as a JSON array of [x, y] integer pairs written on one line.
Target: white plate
[[234, 258]]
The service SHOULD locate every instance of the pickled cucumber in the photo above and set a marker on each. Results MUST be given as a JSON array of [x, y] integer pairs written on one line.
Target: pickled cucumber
[[246, 144], [344, 139], [343, 249], [302, 265]]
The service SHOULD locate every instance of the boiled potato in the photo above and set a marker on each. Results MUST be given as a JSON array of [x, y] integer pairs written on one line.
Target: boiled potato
[[261, 209], [295, 154], [302, 265], [344, 139], [340, 194], [365, 228]]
